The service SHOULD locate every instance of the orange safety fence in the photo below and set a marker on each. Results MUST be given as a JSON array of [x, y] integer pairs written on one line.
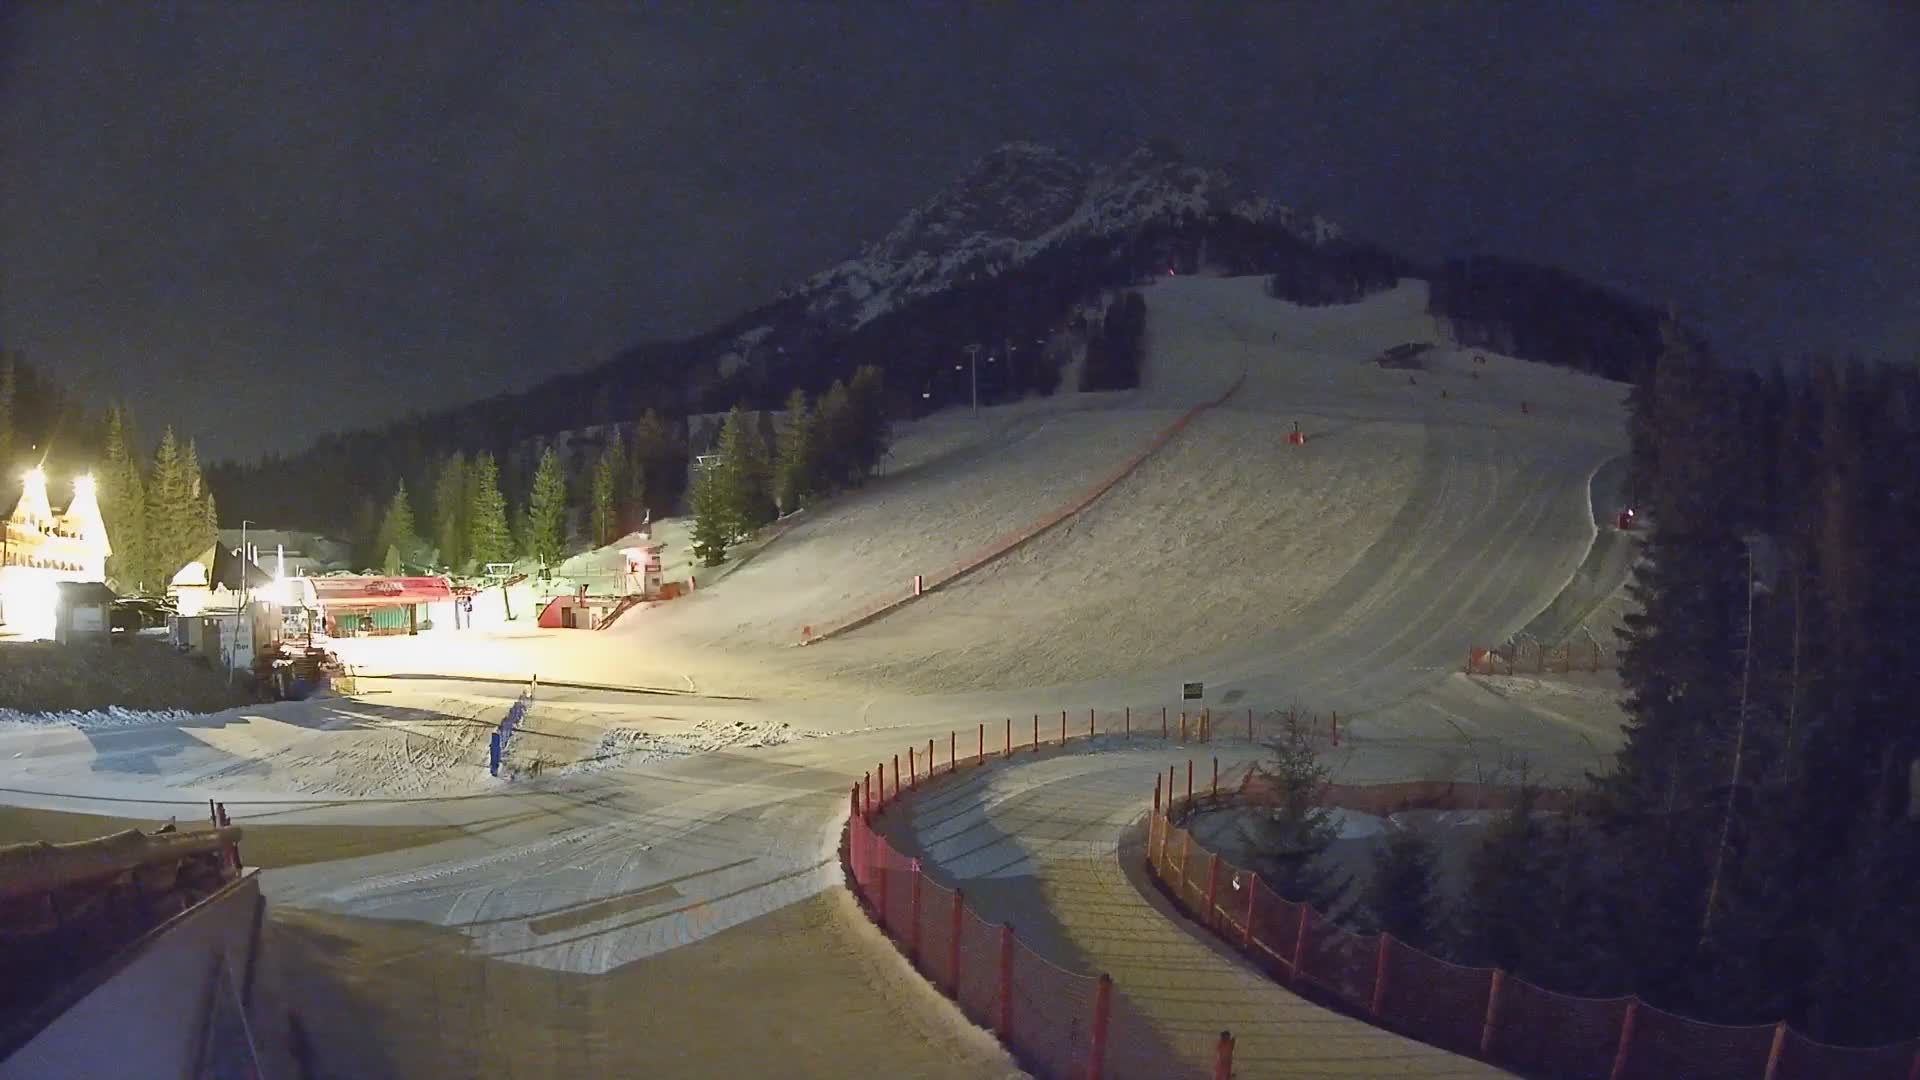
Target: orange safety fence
[[925, 583], [1057, 1022], [1481, 1012]]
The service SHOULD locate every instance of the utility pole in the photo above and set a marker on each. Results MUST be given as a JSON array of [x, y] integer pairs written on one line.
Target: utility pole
[[973, 356], [245, 621]]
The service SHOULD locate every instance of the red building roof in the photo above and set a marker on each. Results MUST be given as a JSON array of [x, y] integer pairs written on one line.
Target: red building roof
[[361, 592]]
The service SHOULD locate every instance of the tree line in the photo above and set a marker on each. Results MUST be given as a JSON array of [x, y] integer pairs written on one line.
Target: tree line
[[1753, 853], [826, 446]]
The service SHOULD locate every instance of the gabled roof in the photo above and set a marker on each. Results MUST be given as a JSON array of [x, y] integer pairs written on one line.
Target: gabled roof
[[370, 591]]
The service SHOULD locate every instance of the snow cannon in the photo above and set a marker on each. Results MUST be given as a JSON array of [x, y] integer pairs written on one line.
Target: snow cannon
[[1624, 521], [1296, 437]]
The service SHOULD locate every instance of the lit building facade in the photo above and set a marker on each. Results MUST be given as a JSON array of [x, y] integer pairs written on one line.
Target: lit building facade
[[39, 548]]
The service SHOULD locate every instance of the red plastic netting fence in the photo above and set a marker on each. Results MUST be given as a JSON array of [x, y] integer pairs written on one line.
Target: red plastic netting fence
[[1663, 1045], [1476, 1011], [1432, 1000]]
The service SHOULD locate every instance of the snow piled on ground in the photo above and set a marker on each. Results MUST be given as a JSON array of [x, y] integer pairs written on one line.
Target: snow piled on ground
[[95, 720], [624, 745]]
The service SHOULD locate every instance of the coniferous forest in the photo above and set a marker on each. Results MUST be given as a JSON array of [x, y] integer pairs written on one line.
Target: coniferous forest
[[1754, 852]]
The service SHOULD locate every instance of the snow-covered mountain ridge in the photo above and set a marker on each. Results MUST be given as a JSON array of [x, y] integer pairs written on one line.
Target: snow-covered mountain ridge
[[1024, 199]]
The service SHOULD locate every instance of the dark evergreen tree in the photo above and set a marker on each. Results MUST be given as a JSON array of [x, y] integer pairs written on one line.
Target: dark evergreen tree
[[609, 480], [122, 494], [1401, 897], [744, 475], [546, 514], [795, 469], [713, 523], [453, 511], [1287, 840], [489, 538]]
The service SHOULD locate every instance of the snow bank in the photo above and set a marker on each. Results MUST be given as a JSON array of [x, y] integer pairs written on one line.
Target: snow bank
[[95, 720]]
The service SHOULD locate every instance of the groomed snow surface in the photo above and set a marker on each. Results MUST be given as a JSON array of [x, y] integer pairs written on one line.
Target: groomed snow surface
[[696, 812]]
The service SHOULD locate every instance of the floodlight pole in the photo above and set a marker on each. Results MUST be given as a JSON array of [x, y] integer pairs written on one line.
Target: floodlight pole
[[973, 358]]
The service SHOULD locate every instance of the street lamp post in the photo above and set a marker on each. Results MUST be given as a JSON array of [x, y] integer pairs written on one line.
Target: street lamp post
[[245, 621], [973, 357]]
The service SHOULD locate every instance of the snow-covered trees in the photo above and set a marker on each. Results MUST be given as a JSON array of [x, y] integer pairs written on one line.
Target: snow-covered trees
[[795, 463]]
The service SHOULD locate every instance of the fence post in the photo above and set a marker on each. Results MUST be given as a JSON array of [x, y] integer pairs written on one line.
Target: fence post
[[1163, 721], [1253, 898], [1774, 1051], [1036, 731], [1626, 1039], [953, 942], [1216, 777], [1213, 888], [1102, 1010], [1090, 723], [913, 771], [1189, 780], [913, 935], [854, 797], [1128, 730], [953, 751], [1493, 1013], [930, 758], [1380, 974], [1170, 791], [896, 775], [879, 883], [1063, 727], [1223, 1057], [980, 754], [1300, 944], [1183, 725], [866, 782], [1009, 750], [1004, 1026], [1156, 793]]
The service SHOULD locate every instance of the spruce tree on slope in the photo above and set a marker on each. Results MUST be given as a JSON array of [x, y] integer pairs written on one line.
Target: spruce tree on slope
[[490, 540], [452, 511], [546, 517], [608, 479], [794, 470], [713, 524], [398, 540], [744, 474], [1287, 841]]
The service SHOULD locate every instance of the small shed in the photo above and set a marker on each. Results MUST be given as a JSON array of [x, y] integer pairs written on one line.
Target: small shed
[[83, 611]]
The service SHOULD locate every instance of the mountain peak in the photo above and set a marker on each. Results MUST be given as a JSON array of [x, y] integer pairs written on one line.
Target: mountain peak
[[1021, 199]]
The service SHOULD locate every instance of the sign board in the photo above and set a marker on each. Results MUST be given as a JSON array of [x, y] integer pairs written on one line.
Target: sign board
[[89, 619], [1192, 691]]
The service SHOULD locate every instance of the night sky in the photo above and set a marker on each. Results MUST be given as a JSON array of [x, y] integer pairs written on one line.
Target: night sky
[[263, 221]]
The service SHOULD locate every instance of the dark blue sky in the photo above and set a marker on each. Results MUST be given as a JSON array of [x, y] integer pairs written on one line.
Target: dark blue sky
[[261, 221]]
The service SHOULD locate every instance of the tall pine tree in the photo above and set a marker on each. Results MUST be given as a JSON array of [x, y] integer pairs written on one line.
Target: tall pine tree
[[489, 539], [546, 515], [795, 466], [713, 522], [744, 475], [123, 508], [608, 481], [398, 541], [452, 511]]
